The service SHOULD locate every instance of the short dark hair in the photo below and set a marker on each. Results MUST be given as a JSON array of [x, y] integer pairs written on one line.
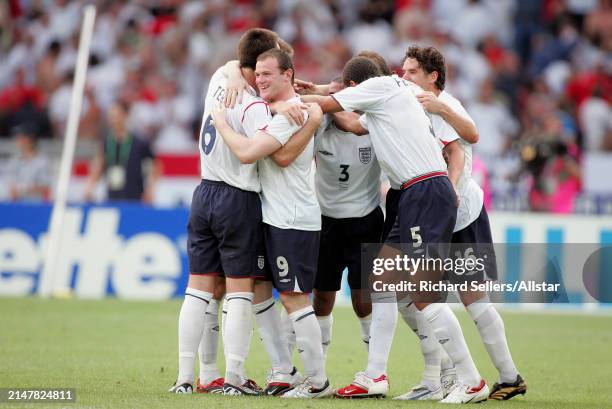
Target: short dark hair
[[430, 60], [286, 47], [378, 60], [359, 69], [254, 42], [284, 60]]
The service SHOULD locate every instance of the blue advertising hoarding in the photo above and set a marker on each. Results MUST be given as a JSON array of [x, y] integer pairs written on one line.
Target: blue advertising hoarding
[[133, 251]]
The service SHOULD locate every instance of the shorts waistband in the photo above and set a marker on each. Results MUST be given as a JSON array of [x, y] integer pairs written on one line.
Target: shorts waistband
[[421, 178], [224, 184], [355, 218]]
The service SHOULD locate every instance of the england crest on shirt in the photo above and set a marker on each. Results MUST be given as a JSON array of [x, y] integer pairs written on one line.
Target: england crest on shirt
[[365, 155]]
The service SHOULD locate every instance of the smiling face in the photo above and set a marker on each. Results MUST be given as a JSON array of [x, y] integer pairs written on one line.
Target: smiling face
[[271, 80], [415, 73]]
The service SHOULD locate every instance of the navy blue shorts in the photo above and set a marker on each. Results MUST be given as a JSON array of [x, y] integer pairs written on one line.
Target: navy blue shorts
[[340, 248], [474, 241], [225, 234], [426, 216], [292, 256]]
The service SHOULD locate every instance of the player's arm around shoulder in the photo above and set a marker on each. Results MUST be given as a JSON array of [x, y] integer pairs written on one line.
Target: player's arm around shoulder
[[235, 86], [462, 125], [284, 156], [309, 88], [293, 112], [327, 103], [247, 150], [350, 122]]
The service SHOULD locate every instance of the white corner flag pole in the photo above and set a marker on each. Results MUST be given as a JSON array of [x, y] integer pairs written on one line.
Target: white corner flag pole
[[54, 236]]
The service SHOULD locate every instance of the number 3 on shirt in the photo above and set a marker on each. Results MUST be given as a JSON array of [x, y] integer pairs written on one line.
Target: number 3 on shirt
[[208, 136], [344, 175]]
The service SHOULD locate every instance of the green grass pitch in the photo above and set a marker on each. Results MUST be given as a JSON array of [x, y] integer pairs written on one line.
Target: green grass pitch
[[121, 354]]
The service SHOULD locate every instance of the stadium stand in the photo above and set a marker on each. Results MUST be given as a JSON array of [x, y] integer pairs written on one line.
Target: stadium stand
[[535, 75]]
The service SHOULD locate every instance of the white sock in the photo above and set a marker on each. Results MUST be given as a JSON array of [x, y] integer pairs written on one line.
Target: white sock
[[326, 323], [384, 319], [272, 335], [408, 314], [237, 335], [430, 348], [492, 332], [446, 364], [308, 340], [447, 367], [208, 345], [288, 330], [364, 324], [190, 329], [223, 318], [448, 332], [223, 322]]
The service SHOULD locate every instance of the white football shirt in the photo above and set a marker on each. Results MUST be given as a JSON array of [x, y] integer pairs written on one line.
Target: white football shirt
[[288, 198], [471, 194], [348, 175], [216, 159], [400, 130]]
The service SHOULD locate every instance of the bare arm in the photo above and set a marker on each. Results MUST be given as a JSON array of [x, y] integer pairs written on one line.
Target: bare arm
[[328, 104], [247, 150], [293, 112], [464, 127], [349, 122], [310, 88], [236, 84], [456, 160], [298, 141]]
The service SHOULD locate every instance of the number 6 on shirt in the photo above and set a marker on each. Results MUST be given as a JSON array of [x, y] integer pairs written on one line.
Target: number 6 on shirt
[[209, 136]]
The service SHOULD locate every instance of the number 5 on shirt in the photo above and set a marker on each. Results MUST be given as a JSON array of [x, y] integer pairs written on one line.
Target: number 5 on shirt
[[416, 237]]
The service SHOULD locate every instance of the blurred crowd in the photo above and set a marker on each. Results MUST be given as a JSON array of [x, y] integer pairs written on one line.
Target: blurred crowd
[[536, 75]]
